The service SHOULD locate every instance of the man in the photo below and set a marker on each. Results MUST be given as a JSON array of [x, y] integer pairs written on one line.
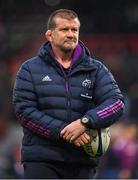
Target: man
[[58, 96]]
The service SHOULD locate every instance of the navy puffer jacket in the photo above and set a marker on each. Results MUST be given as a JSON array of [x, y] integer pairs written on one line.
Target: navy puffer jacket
[[46, 99]]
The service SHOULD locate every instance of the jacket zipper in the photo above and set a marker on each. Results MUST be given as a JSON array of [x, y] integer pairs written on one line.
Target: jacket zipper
[[67, 94], [68, 99]]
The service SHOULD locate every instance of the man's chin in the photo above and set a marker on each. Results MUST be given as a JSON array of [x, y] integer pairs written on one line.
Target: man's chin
[[69, 48]]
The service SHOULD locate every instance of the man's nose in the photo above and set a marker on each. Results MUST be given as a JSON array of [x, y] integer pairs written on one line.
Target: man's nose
[[70, 33]]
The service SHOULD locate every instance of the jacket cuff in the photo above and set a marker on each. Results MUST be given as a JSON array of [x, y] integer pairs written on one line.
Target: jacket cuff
[[90, 123]]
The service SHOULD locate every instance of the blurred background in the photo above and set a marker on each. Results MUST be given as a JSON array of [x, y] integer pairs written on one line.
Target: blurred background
[[110, 30]]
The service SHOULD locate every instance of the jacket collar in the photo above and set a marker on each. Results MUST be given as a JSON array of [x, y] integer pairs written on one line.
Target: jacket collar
[[81, 59]]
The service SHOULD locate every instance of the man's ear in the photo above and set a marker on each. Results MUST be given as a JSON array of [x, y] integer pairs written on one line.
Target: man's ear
[[48, 35]]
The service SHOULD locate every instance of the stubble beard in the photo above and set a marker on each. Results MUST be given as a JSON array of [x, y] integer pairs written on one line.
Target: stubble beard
[[67, 49]]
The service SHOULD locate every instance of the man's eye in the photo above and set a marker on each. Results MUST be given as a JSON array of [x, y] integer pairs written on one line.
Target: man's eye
[[74, 30], [64, 29]]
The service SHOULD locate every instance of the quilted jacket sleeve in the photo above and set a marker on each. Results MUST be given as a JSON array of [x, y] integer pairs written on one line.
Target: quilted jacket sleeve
[[108, 100], [25, 105]]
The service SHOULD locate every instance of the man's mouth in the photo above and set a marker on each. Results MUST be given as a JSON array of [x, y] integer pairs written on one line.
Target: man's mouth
[[70, 41]]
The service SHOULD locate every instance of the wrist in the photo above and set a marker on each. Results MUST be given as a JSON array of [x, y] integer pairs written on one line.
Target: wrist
[[84, 121]]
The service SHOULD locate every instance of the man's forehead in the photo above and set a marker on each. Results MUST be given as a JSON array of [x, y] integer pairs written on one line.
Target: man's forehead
[[65, 21]]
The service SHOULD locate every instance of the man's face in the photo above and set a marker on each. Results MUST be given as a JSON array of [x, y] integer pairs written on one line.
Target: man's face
[[66, 34]]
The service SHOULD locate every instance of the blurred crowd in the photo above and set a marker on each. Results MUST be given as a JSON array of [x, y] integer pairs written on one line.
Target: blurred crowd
[[21, 36], [121, 159]]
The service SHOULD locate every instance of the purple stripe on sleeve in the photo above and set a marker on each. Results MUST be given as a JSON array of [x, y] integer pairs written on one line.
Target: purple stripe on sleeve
[[110, 110], [37, 128], [114, 109], [33, 126], [112, 105], [110, 113]]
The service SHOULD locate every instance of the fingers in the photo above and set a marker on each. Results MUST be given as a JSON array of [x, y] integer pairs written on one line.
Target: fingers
[[79, 142], [86, 137], [62, 133], [67, 135], [73, 131], [82, 140]]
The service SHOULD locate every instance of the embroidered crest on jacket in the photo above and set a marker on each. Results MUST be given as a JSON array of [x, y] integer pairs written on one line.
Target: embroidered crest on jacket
[[87, 83]]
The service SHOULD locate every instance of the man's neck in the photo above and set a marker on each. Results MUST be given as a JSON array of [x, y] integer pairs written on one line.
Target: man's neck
[[63, 58]]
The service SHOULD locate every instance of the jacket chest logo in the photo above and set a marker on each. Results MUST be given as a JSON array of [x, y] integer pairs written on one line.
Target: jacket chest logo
[[87, 83], [86, 95], [46, 78]]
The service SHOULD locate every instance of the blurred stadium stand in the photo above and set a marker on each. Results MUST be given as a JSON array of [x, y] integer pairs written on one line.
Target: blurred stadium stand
[[110, 30]]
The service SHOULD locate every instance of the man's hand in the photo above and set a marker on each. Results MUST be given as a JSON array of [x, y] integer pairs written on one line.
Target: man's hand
[[73, 130], [82, 139]]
